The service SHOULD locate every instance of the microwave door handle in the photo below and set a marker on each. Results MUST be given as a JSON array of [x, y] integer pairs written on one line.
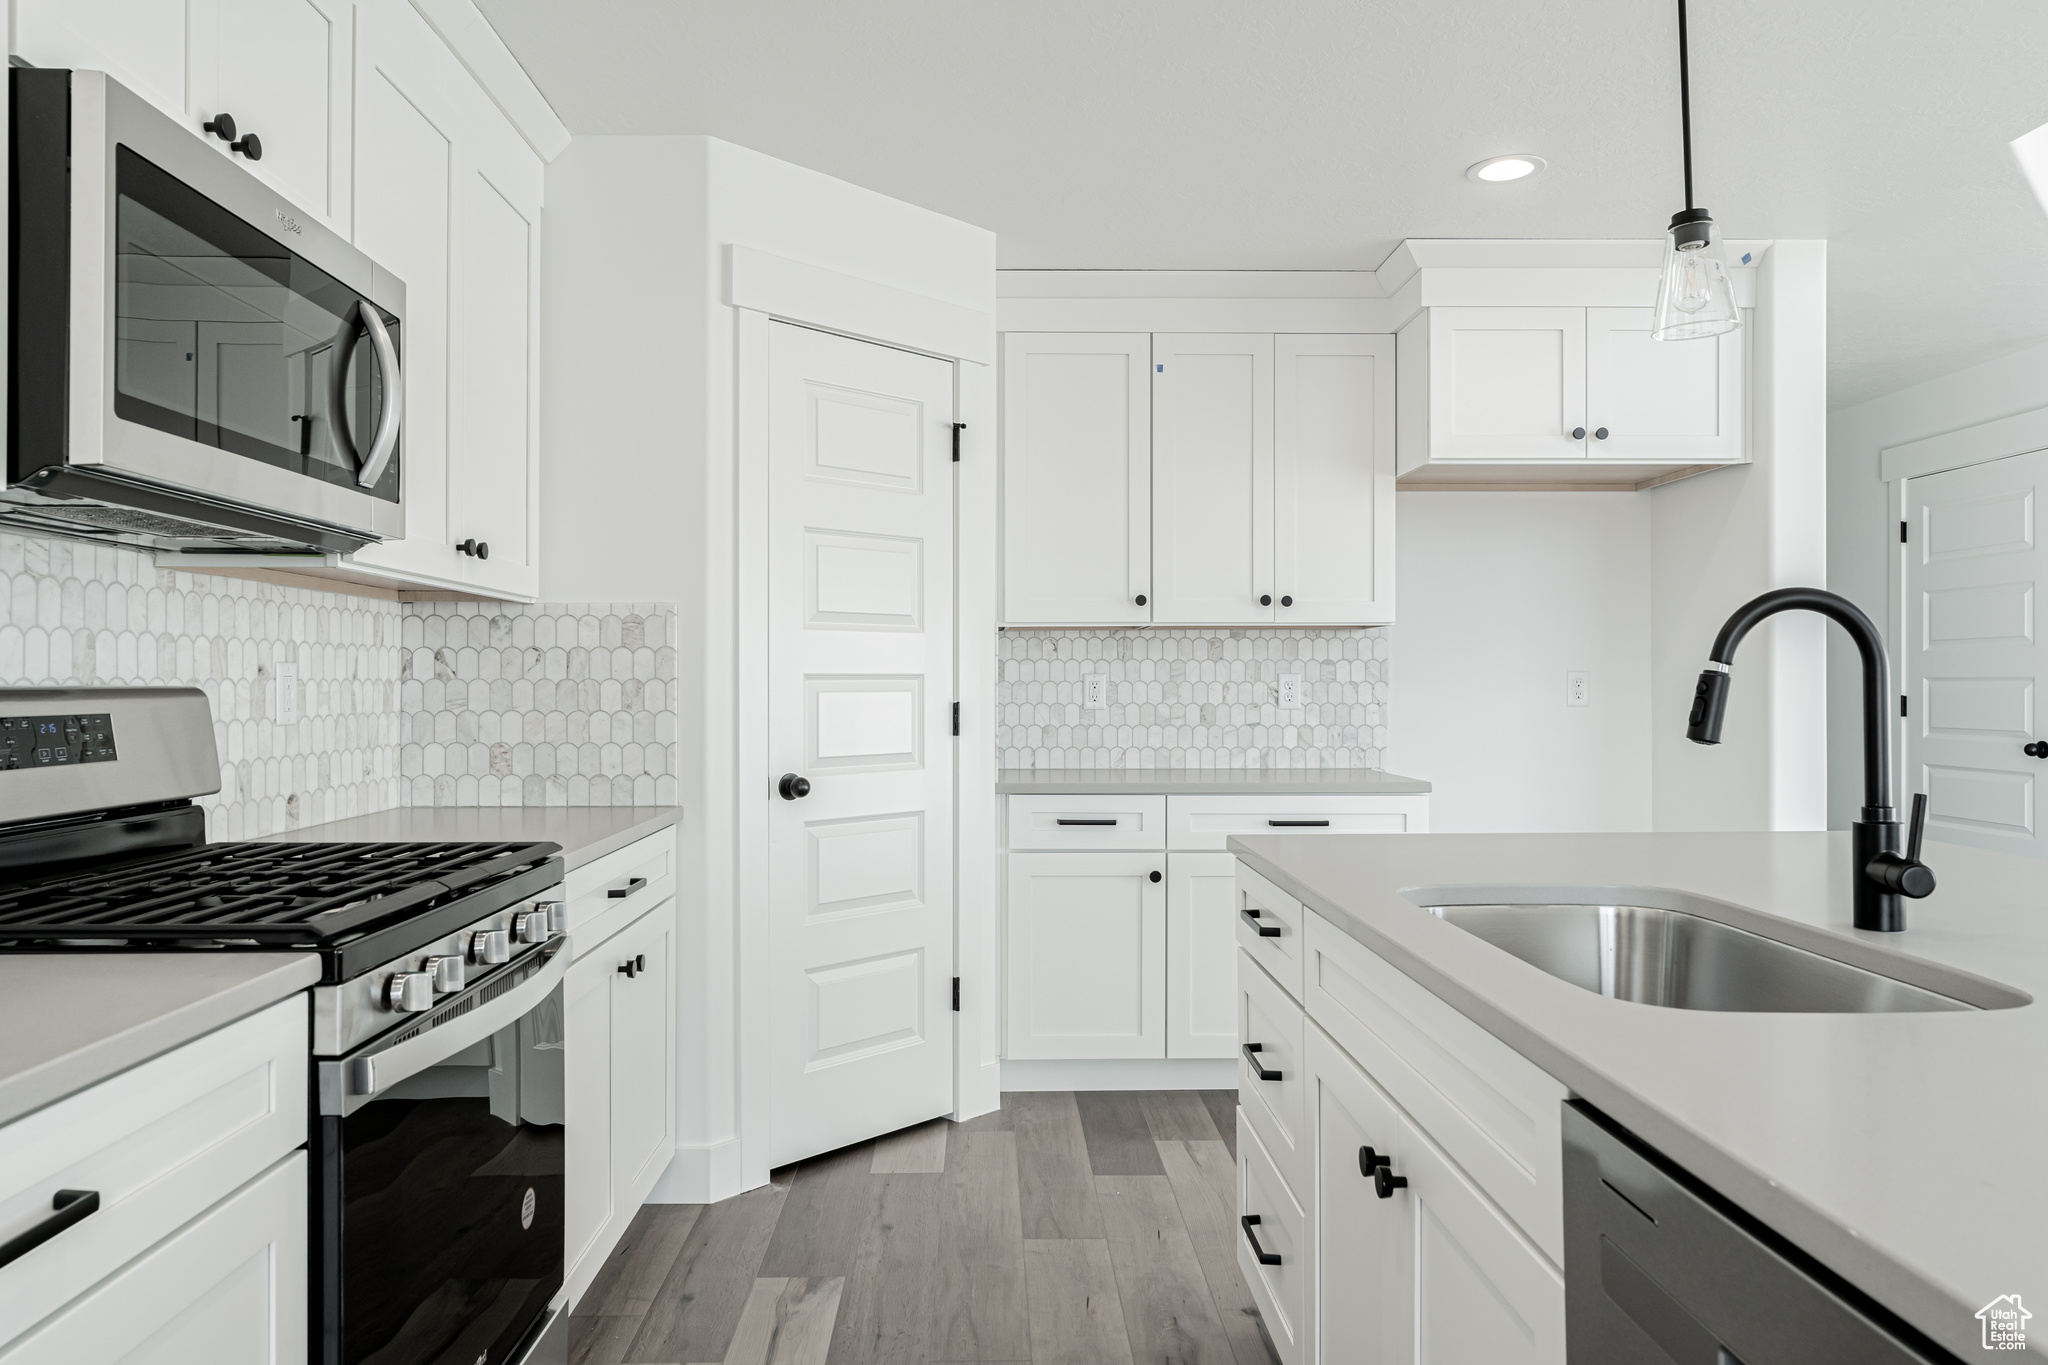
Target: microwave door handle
[[385, 443], [337, 390]]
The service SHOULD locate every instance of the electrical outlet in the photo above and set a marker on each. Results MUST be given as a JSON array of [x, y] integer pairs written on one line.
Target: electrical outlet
[[1577, 692], [1290, 691], [287, 694], [1096, 688]]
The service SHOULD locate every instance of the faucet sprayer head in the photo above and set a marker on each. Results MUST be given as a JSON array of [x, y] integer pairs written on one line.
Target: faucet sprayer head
[[1709, 705]]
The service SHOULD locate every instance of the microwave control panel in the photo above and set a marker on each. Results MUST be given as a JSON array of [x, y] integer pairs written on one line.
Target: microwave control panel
[[55, 741]]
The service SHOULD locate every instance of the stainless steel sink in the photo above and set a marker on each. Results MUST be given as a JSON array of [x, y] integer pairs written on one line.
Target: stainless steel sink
[[1685, 961]]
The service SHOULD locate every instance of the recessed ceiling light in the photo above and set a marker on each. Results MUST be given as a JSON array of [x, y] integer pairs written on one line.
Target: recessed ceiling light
[[1514, 166]]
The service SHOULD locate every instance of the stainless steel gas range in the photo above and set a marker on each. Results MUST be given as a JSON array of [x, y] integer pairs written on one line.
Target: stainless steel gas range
[[437, 1040]]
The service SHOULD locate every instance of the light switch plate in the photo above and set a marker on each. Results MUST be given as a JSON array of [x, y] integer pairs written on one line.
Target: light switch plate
[[1096, 687], [1577, 691], [287, 694], [1290, 691]]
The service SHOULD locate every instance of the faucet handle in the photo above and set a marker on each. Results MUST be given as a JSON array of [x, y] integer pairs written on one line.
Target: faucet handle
[[1917, 828], [1907, 875]]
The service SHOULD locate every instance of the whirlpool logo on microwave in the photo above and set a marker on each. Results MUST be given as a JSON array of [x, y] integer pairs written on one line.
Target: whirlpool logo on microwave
[[287, 222]]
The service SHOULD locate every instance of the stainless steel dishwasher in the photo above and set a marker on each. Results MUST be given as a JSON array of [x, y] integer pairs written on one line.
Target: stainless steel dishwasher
[[1659, 1270]]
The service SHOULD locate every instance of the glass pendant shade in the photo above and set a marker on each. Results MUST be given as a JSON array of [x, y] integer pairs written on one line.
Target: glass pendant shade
[[1694, 298]]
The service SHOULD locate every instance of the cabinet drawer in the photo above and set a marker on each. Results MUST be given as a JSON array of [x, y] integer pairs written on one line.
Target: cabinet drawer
[[1203, 822], [1063, 822], [1493, 1110], [159, 1143], [607, 895], [228, 1289], [1281, 1290], [1269, 928], [1268, 1018]]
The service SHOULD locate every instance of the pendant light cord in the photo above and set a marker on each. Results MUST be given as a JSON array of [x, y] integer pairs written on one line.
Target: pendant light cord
[[1685, 103]]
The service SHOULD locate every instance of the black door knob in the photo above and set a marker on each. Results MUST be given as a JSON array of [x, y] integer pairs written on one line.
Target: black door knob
[[250, 146], [1140, 599], [1578, 433], [474, 547], [793, 788], [222, 126], [2038, 749], [1155, 876], [1265, 599], [1599, 433], [1286, 601]]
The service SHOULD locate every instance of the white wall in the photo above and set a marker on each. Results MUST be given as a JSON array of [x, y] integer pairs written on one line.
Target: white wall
[[1501, 595], [1863, 523]]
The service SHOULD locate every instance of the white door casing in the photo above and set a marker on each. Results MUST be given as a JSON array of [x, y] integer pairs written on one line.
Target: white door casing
[[1972, 659], [1333, 479], [1212, 477], [860, 683]]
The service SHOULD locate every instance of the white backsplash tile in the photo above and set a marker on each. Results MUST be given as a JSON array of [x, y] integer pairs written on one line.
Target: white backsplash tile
[[1192, 699], [554, 704], [74, 614]]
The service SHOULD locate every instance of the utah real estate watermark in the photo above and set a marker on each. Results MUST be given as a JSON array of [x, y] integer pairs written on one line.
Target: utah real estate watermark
[[2005, 1323]]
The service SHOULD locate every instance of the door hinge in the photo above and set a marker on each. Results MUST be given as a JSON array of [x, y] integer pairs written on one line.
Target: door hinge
[[958, 427], [956, 995], [956, 720], [1902, 705], [1902, 525]]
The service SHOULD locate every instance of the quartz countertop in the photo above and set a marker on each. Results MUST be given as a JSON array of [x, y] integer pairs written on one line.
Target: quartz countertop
[[586, 833], [1207, 781], [70, 1020], [1904, 1151]]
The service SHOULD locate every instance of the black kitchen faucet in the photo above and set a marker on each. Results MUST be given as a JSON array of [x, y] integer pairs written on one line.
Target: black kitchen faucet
[[1881, 875]]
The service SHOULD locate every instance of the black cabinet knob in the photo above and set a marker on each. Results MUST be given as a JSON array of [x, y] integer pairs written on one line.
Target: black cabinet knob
[[1286, 601], [1265, 599], [1599, 433], [1385, 1182], [1155, 876], [2038, 749], [1370, 1161], [1578, 433], [222, 126], [793, 788], [250, 146], [1141, 599], [476, 548]]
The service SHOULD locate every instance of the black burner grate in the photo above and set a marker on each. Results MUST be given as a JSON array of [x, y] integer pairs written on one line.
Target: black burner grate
[[311, 895]]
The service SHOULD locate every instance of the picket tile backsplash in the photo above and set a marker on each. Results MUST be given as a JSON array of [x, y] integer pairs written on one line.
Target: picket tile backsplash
[[1192, 699]]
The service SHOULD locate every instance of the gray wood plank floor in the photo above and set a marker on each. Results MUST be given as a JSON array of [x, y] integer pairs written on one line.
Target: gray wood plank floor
[[1064, 1229]]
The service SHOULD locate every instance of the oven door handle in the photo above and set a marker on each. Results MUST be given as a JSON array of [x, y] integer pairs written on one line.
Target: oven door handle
[[349, 1083]]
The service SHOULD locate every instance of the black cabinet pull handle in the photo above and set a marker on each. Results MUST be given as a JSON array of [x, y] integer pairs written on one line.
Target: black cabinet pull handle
[[1599, 434], [1265, 599], [793, 788], [1139, 599], [632, 884], [1248, 1222], [1578, 433], [1299, 824], [1259, 1069], [1091, 821], [1287, 600], [1265, 930], [68, 1208]]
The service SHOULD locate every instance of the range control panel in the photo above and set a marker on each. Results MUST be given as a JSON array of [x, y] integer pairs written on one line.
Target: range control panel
[[55, 741]]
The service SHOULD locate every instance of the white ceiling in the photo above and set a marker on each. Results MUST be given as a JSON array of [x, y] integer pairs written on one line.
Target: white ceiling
[[1316, 134]]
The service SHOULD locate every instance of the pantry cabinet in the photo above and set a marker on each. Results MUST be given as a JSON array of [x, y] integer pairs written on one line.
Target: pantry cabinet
[[1247, 480], [1545, 385]]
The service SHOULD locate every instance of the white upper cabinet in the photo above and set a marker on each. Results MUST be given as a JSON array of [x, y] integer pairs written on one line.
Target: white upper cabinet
[[1507, 383], [1212, 477], [147, 45], [1077, 478], [1333, 479], [1661, 400]]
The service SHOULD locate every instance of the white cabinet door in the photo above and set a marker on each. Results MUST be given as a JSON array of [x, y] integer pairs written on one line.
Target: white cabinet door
[[587, 1191], [281, 68], [642, 1073], [147, 45], [1434, 1272], [1661, 400], [228, 1288], [1085, 948], [1333, 480], [1077, 478], [1201, 955], [1507, 383], [1212, 477]]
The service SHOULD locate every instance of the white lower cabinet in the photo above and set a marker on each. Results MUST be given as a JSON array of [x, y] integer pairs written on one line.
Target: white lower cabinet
[[1273, 1247], [1201, 955], [1085, 949]]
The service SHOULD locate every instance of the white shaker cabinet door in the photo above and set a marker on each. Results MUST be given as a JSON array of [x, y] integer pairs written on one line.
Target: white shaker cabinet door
[[588, 1185], [642, 1069], [1077, 478], [1333, 480], [281, 69], [1201, 955], [1212, 478], [146, 45], [1085, 954], [1661, 400], [1507, 383]]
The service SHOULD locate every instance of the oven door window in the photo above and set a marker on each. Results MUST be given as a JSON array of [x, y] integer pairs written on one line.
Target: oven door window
[[227, 338], [451, 1197]]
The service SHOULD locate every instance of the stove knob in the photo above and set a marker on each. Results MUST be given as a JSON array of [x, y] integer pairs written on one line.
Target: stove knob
[[488, 947], [446, 972], [532, 926], [558, 915], [409, 992]]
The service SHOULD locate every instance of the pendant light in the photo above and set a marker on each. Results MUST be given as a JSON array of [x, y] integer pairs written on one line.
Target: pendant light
[[1693, 295]]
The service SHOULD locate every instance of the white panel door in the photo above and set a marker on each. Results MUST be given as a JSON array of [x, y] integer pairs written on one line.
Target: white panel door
[[1333, 479], [147, 45], [1201, 955], [1433, 1273], [1085, 955], [1661, 400], [1973, 658], [281, 68], [860, 661], [1507, 383], [1212, 477], [1077, 478]]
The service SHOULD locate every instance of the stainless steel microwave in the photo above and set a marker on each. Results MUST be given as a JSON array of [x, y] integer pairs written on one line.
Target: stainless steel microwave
[[193, 362]]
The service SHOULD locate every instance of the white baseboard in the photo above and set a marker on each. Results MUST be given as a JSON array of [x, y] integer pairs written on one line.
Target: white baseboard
[[1165, 1073], [701, 1173]]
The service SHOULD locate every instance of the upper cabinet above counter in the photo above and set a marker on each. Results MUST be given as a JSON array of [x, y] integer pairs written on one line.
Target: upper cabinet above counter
[[408, 129]]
